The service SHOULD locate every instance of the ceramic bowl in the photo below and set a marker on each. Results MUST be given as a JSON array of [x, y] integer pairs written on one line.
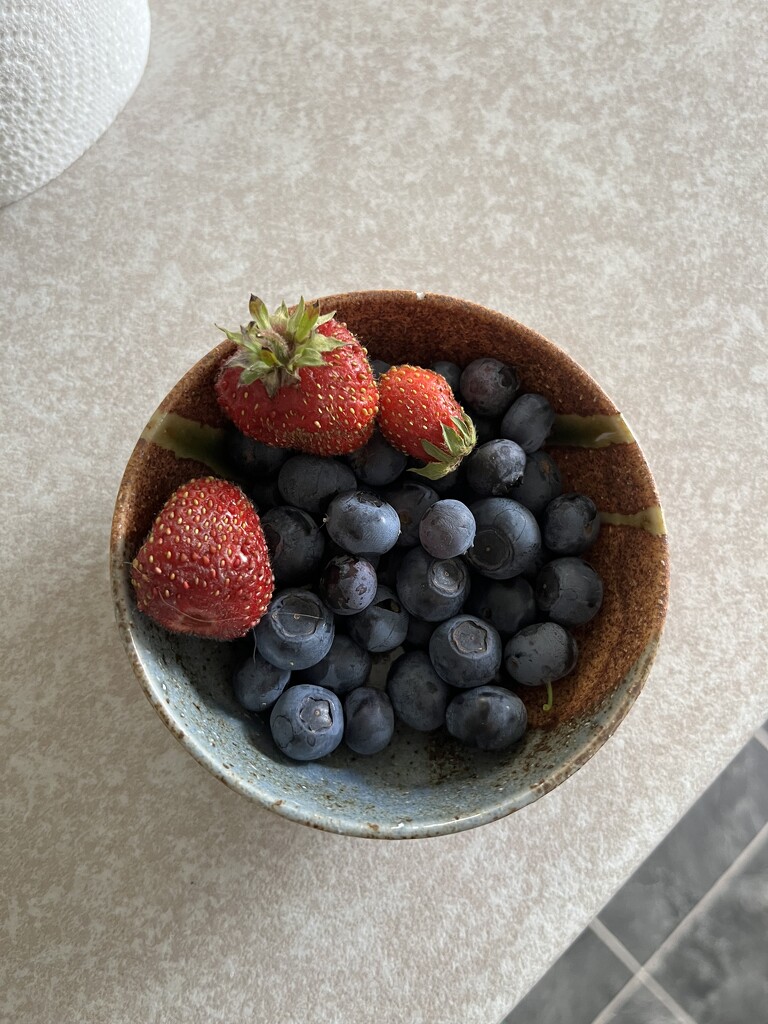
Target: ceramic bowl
[[423, 784]]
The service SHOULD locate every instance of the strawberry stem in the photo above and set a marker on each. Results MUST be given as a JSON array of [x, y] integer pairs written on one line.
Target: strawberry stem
[[550, 699], [272, 348], [459, 440]]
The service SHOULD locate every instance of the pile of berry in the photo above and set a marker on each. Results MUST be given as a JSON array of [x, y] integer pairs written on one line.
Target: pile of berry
[[374, 515]]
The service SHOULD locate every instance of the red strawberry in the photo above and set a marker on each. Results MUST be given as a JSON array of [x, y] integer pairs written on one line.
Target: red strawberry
[[419, 415], [204, 568], [299, 380]]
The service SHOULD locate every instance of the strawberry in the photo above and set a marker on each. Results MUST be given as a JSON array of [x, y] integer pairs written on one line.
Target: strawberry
[[419, 415], [204, 568], [299, 380]]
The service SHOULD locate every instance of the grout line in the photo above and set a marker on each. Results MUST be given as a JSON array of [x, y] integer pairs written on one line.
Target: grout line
[[762, 736], [642, 973], [641, 976], [615, 945], [606, 1014], [666, 999], [708, 896]]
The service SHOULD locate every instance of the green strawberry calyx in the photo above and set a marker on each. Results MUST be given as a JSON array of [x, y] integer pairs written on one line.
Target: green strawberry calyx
[[458, 440], [272, 348]]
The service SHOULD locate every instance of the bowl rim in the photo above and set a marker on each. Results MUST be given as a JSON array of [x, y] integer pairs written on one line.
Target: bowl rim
[[628, 689]]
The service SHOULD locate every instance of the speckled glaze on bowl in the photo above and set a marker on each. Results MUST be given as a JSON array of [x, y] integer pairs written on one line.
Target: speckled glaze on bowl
[[424, 784]]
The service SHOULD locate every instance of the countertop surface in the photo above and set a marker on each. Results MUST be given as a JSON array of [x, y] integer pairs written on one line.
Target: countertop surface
[[595, 171]]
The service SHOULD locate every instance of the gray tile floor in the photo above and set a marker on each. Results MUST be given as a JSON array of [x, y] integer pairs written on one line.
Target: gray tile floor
[[685, 940]]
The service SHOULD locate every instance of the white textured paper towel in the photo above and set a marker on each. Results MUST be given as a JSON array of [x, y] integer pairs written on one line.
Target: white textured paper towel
[[67, 68]]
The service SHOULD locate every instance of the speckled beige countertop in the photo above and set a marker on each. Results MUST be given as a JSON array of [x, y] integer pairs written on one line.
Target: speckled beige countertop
[[596, 171]]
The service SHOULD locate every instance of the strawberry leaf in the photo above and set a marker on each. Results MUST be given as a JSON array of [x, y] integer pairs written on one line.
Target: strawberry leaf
[[279, 351], [235, 336], [313, 359], [459, 440], [432, 470], [438, 454], [322, 343], [258, 311], [300, 322]]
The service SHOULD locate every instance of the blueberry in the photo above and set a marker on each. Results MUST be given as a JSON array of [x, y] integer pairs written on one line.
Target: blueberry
[[540, 654], [495, 467], [379, 368], [257, 684], [310, 481], [447, 529], [488, 717], [296, 544], [296, 631], [488, 386], [444, 485], [370, 720], [432, 588], [570, 524], [507, 538], [419, 633], [569, 591], [253, 459], [264, 494], [507, 604], [539, 484], [486, 429], [377, 463], [465, 651], [332, 550], [383, 625], [529, 421], [536, 565], [361, 522], [451, 372], [411, 501], [418, 694], [348, 584], [389, 566], [345, 667], [307, 722]]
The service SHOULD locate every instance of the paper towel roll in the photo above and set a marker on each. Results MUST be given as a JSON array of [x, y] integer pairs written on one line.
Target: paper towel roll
[[67, 68]]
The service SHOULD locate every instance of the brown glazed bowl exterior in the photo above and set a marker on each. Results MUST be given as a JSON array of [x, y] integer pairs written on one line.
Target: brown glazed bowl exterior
[[424, 784]]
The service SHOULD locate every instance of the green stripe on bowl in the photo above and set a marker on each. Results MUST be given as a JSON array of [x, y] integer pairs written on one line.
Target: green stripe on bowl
[[573, 430], [188, 439], [650, 519]]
